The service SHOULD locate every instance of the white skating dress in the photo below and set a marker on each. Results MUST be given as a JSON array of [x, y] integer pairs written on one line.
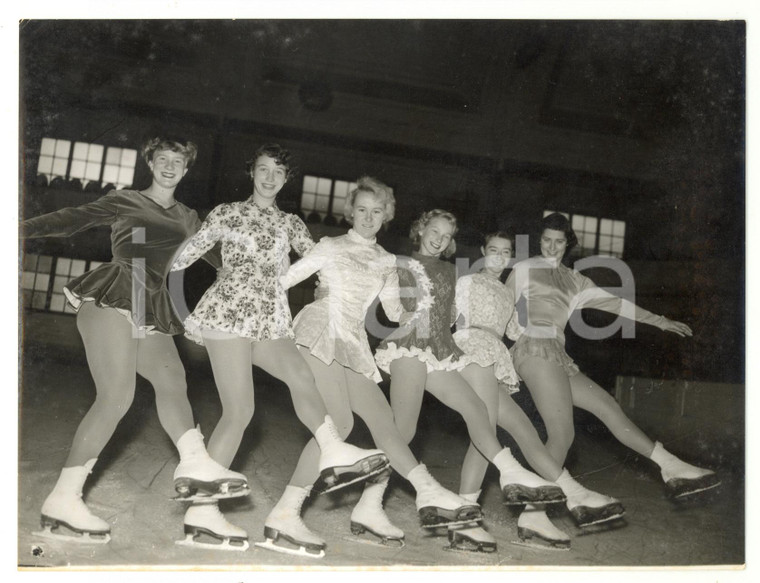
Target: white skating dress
[[353, 272], [553, 293], [485, 308], [247, 298]]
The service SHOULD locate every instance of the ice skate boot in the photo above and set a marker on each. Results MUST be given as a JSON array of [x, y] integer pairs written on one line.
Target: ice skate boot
[[342, 464], [436, 505], [204, 519], [680, 478], [471, 537], [368, 515], [199, 478], [284, 526], [64, 507], [534, 529], [586, 506], [521, 486]]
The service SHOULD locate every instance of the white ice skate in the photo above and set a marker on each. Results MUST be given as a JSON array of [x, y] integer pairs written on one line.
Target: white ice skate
[[64, 508], [471, 537], [521, 486], [206, 519], [368, 515], [586, 506], [535, 530], [342, 464], [438, 506], [199, 478], [682, 479], [284, 530]]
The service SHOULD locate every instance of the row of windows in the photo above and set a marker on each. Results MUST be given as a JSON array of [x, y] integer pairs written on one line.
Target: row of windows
[[86, 163], [597, 236], [43, 278]]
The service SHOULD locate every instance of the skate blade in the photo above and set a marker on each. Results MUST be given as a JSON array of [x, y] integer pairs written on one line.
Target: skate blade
[[85, 538], [188, 487], [684, 495], [585, 518], [464, 544], [203, 497], [602, 527], [450, 523], [530, 538], [225, 545], [322, 487], [300, 552], [518, 494], [380, 540]]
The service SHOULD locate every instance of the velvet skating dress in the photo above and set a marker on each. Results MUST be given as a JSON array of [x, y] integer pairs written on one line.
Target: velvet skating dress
[[553, 292], [427, 287], [144, 238], [247, 298], [353, 272], [486, 307]]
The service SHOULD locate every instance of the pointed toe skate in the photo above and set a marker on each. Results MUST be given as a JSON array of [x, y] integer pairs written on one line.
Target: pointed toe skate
[[533, 538], [274, 542], [679, 488], [471, 539], [517, 494], [590, 515], [387, 539]]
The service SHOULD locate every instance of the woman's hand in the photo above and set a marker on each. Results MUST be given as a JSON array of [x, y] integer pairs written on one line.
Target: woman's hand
[[676, 327]]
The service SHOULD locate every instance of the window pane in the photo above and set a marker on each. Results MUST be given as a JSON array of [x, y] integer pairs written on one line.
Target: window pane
[[110, 174], [322, 202], [617, 245], [126, 177], [618, 228], [30, 262], [47, 148], [63, 265], [307, 202], [62, 148], [341, 189], [606, 227], [579, 222], [77, 169], [589, 240], [38, 300], [310, 184], [41, 282], [77, 267], [96, 153], [27, 280], [44, 264], [57, 302], [45, 165], [59, 167], [59, 282], [591, 224], [605, 243], [129, 157], [324, 186], [93, 171], [113, 156], [80, 151]]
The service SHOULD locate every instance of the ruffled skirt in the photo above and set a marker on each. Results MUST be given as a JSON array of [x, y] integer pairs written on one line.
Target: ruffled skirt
[[485, 349], [110, 286]]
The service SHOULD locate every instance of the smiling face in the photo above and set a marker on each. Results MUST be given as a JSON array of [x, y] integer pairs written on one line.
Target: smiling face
[[368, 214], [435, 237], [553, 244], [268, 179], [497, 252], [168, 168]]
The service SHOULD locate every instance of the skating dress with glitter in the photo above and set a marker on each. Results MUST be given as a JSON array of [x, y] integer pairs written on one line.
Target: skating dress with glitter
[[144, 238], [354, 271], [427, 289], [553, 291], [247, 298], [485, 307]]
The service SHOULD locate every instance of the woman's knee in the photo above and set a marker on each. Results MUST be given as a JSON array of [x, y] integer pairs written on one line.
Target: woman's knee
[[115, 403], [238, 414]]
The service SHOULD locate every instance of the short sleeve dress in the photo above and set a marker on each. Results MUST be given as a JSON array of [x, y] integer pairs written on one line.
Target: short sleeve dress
[[427, 286], [247, 299], [486, 308], [354, 271], [144, 238], [554, 292]]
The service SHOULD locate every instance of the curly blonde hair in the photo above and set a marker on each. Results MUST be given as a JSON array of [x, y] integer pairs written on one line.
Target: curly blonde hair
[[380, 191], [422, 222], [188, 149]]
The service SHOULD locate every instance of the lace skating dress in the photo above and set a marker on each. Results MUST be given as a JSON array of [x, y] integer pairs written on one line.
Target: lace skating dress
[[144, 238], [485, 308], [427, 287], [353, 272], [247, 298], [553, 292]]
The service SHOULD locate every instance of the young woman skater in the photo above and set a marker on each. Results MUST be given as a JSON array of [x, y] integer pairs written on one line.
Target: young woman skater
[[243, 319], [421, 355], [126, 320], [353, 271], [485, 308], [553, 291]]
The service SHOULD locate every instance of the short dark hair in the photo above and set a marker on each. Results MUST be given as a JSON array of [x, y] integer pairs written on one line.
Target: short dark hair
[[188, 149], [559, 222], [279, 154], [500, 235]]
